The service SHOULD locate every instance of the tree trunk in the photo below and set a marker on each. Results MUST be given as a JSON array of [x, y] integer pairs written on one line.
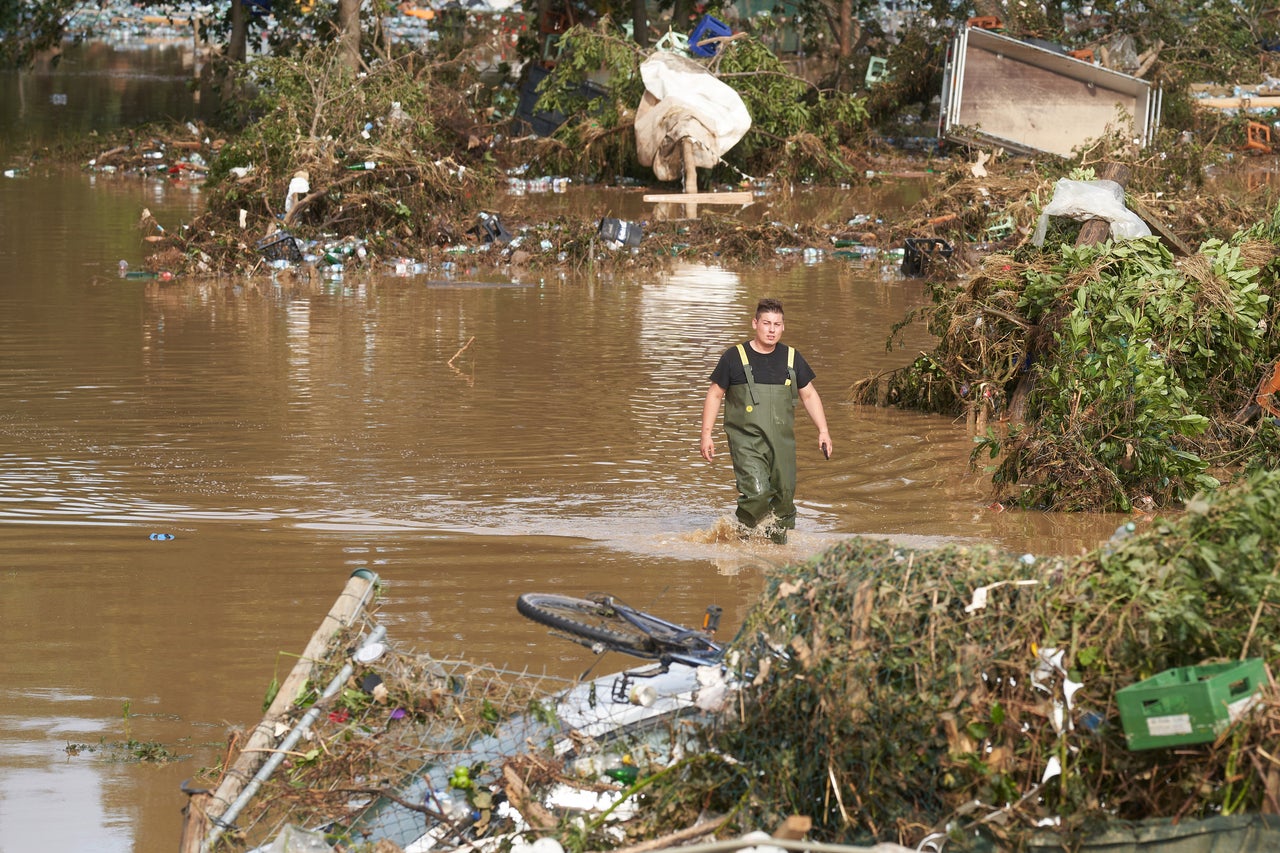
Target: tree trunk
[[844, 38], [349, 33], [681, 15], [239, 32], [640, 23], [1097, 230]]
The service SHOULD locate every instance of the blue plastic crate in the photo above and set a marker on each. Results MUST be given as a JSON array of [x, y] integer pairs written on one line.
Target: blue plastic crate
[[708, 28]]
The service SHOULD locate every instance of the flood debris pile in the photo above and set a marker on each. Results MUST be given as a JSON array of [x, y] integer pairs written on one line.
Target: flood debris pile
[[899, 693], [800, 131], [384, 157], [886, 693], [401, 750], [380, 756], [1105, 376]]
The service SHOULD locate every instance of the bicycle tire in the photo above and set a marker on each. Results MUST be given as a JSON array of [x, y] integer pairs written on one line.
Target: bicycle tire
[[589, 620]]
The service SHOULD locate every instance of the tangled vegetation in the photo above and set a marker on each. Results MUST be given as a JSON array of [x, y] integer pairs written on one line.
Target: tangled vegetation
[[895, 693], [798, 130], [1110, 376]]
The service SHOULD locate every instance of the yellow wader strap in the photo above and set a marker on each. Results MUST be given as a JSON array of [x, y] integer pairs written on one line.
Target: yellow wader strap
[[751, 382], [791, 374]]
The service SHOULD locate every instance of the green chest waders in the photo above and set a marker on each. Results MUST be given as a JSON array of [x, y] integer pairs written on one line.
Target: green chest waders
[[760, 423]]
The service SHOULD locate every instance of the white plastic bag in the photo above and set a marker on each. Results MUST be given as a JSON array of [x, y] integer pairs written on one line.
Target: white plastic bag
[[1083, 200], [293, 839]]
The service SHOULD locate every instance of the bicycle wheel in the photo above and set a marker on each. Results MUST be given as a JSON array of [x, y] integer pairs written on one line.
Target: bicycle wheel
[[583, 618]]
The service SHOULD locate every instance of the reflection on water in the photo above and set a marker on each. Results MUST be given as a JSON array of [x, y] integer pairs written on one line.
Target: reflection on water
[[467, 442], [95, 87]]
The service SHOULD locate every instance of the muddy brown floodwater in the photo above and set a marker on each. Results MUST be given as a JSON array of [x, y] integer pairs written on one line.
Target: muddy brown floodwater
[[467, 441]]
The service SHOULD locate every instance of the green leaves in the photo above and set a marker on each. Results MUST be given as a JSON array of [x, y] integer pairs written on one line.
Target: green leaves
[[1149, 354], [796, 130]]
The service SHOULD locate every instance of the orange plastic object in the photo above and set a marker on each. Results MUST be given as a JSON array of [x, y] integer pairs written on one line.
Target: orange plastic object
[[1258, 137], [1084, 54], [1267, 392]]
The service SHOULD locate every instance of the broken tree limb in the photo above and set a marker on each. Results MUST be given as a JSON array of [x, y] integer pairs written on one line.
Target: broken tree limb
[[306, 200], [1148, 58], [119, 149], [698, 830], [518, 793], [1176, 243], [462, 349], [743, 198], [1096, 230], [690, 167]]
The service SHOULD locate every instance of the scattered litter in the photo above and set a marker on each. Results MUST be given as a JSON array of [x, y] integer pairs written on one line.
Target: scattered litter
[[980, 594], [299, 185]]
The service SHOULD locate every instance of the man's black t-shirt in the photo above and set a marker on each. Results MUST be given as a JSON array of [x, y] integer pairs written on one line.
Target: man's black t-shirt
[[768, 369]]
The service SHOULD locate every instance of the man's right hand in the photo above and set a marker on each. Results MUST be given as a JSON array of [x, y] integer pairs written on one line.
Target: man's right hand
[[708, 448]]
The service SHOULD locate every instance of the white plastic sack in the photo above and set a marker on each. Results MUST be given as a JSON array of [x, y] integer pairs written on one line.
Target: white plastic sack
[[683, 99], [1082, 200], [294, 839]]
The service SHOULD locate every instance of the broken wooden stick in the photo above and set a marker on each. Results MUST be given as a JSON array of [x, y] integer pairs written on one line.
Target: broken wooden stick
[[462, 349]]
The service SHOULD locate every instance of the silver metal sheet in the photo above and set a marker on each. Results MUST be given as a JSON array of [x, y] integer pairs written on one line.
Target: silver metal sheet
[[1002, 91]]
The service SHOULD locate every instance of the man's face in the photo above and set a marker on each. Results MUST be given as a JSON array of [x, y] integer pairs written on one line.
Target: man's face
[[768, 328]]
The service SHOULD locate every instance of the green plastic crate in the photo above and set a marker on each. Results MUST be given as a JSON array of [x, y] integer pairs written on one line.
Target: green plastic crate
[[1189, 704]]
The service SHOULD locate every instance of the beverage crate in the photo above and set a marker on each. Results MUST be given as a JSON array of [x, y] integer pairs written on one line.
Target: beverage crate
[[279, 246], [708, 28], [1189, 704]]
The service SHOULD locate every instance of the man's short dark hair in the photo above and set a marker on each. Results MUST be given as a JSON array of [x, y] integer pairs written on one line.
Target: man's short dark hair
[[768, 306]]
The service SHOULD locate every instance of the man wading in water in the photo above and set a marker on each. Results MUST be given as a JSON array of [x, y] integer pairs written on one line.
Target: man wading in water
[[760, 382]]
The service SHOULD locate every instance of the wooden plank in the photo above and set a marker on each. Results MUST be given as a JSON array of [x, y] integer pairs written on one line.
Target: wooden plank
[[1166, 233], [690, 167], [195, 822], [794, 828], [355, 596], [703, 198], [1260, 102]]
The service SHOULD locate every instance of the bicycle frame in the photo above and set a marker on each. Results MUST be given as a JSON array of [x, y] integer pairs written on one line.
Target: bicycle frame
[[672, 651]]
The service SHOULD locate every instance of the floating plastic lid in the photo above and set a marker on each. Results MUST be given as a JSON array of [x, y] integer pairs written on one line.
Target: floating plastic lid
[[369, 653]]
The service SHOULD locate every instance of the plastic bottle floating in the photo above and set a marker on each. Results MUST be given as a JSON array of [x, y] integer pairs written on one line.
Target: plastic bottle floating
[[160, 537]]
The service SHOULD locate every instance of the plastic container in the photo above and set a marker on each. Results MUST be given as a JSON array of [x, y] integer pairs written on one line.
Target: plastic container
[[709, 27], [918, 252], [280, 246], [491, 229], [619, 233], [1190, 704]]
